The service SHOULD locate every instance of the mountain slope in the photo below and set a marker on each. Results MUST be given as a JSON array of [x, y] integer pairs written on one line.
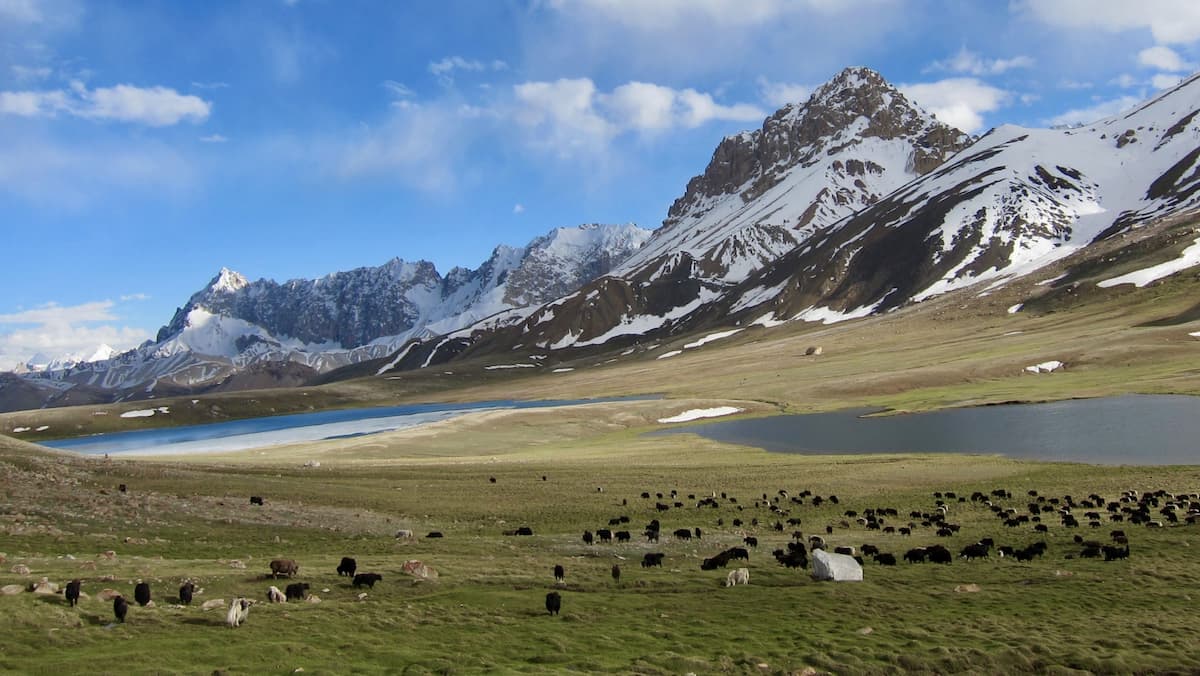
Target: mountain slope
[[235, 332], [1012, 202]]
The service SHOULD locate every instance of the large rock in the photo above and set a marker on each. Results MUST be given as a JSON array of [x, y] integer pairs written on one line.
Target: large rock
[[11, 590], [20, 569], [108, 594], [212, 603], [835, 567], [43, 586]]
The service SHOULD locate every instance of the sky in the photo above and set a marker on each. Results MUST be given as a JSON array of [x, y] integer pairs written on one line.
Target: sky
[[146, 145]]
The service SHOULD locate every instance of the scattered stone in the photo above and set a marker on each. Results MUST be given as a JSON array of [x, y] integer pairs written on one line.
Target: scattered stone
[[108, 594], [3, 557], [11, 590], [44, 586], [20, 569], [136, 541], [312, 463], [87, 565], [865, 630], [313, 599], [967, 588], [325, 590], [362, 596], [237, 564], [1063, 573], [813, 351], [212, 603], [109, 555]]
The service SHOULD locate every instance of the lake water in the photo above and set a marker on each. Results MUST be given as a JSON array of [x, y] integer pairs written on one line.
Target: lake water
[[236, 435], [1125, 430]]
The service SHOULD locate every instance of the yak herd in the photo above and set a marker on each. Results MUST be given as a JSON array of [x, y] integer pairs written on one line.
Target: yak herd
[[1155, 509]]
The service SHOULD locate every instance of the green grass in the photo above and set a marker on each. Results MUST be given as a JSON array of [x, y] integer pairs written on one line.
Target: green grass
[[485, 615]]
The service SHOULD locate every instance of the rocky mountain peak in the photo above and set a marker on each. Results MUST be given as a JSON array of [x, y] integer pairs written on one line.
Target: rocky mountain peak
[[857, 104], [227, 281]]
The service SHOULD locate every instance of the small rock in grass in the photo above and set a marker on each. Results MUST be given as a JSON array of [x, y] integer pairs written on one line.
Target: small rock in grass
[[967, 588], [212, 603]]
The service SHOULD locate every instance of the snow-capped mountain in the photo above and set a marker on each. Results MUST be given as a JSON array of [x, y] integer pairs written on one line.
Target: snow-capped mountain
[[858, 202], [40, 362], [316, 325]]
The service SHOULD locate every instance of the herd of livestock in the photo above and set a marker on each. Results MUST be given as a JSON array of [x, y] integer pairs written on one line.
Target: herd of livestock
[[1154, 509]]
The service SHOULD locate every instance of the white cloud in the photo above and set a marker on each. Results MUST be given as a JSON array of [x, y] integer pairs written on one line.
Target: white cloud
[[398, 89], [154, 106], [213, 138], [562, 116], [63, 330], [518, 209], [419, 146], [779, 94], [1098, 111], [444, 69], [662, 14], [966, 61], [134, 296], [959, 102], [1169, 21], [1165, 80], [30, 73], [570, 115], [1164, 58], [642, 106], [20, 12], [72, 175]]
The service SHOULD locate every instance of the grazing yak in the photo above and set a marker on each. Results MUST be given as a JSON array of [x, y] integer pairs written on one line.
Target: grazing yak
[[120, 608], [256, 500], [652, 559], [434, 534], [297, 591], [559, 574], [750, 541], [284, 567], [616, 573], [347, 567], [141, 593], [588, 538], [275, 596], [368, 579], [72, 592], [553, 603], [238, 610], [682, 534], [738, 576], [186, 590], [885, 559]]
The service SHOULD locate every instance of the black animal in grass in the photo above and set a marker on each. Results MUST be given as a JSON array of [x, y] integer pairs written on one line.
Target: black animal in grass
[[120, 608], [368, 579], [296, 591], [347, 567], [141, 593], [185, 593], [553, 603], [72, 592], [616, 573], [559, 574], [256, 500]]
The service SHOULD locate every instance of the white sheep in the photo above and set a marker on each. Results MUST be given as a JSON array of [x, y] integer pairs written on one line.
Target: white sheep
[[739, 576], [275, 596], [238, 610]]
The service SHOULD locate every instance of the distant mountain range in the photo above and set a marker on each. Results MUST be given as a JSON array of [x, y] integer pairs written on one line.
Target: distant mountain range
[[852, 203]]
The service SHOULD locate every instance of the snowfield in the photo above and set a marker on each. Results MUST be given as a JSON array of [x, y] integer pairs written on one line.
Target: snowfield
[[145, 413], [698, 413], [1045, 367], [1190, 257]]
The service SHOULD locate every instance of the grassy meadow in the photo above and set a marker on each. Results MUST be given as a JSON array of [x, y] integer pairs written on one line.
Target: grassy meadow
[[189, 518]]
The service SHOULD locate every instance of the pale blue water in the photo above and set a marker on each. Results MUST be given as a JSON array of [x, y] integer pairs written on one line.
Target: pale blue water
[[258, 432], [1125, 430]]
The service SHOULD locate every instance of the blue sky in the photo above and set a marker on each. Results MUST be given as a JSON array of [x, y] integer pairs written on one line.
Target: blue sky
[[145, 145]]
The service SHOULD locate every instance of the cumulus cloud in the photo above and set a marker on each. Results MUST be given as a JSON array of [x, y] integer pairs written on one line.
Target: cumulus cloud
[[1169, 21], [57, 330], [153, 106], [1099, 111], [971, 63], [1164, 58], [571, 114], [959, 102], [518, 209], [779, 94]]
